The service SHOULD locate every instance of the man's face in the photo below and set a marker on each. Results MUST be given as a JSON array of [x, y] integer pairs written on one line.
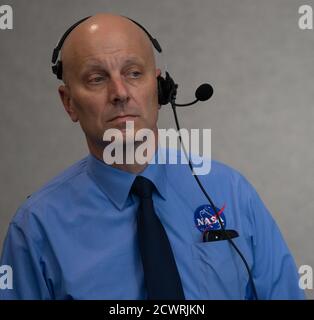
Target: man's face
[[110, 80]]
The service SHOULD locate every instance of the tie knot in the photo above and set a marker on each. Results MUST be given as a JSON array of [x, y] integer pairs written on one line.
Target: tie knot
[[142, 187]]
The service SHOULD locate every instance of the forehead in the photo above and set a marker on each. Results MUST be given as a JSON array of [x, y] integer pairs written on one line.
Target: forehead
[[110, 63], [118, 59], [100, 44]]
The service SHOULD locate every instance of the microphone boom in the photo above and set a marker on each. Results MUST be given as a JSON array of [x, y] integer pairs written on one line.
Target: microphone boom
[[202, 93]]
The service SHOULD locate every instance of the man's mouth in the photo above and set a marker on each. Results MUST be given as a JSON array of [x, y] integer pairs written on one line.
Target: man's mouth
[[123, 118]]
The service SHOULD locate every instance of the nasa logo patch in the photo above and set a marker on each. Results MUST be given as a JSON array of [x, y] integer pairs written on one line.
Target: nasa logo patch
[[205, 218]]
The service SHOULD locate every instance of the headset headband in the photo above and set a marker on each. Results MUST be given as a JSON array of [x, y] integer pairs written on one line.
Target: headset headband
[[57, 64]]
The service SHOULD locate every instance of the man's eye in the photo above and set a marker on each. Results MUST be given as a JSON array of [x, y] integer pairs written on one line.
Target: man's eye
[[97, 79], [134, 74]]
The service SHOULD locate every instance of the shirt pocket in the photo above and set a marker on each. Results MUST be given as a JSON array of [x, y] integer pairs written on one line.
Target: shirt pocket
[[223, 274]]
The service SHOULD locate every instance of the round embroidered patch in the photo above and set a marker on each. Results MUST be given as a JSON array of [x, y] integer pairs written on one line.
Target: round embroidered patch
[[205, 218]]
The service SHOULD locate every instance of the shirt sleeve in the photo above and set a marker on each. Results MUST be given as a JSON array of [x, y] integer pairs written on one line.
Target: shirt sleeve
[[274, 271], [21, 253]]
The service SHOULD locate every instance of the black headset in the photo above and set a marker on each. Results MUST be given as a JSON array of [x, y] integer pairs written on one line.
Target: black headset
[[167, 88]]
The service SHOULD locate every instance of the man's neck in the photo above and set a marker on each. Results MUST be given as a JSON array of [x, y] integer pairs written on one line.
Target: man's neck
[[125, 166]]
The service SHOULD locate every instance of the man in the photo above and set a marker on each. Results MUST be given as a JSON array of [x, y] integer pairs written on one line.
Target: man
[[78, 236]]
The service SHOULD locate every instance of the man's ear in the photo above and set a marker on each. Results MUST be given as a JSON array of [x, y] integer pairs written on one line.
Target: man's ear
[[158, 72], [64, 93]]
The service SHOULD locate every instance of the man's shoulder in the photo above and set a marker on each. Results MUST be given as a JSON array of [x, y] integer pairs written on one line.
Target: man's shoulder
[[52, 190], [227, 175], [215, 169], [222, 169]]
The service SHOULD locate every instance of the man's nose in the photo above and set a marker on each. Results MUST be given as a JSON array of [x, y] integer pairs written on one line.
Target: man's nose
[[118, 91]]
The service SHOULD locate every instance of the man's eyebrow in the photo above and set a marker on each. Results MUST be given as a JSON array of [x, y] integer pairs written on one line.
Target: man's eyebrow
[[133, 60], [92, 64], [100, 64]]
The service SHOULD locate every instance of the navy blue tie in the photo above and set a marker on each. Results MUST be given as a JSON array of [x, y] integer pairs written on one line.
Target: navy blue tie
[[161, 275]]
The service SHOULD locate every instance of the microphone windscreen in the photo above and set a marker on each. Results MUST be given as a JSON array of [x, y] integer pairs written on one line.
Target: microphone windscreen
[[204, 92]]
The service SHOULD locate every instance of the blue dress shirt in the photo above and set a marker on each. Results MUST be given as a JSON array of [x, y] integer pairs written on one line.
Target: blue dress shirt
[[76, 238]]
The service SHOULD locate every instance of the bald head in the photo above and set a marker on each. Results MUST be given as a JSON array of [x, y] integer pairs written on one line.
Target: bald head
[[101, 35]]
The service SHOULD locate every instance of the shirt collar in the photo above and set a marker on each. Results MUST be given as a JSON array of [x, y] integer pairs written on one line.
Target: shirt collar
[[116, 183]]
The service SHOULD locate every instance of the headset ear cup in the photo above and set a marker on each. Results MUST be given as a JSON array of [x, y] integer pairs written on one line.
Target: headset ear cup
[[167, 89], [161, 89], [59, 70]]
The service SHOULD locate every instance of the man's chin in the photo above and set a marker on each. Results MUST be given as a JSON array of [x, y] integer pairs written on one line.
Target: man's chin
[[130, 134]]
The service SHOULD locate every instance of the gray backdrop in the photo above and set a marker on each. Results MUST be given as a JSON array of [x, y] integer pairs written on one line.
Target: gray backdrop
[[258, 60]]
